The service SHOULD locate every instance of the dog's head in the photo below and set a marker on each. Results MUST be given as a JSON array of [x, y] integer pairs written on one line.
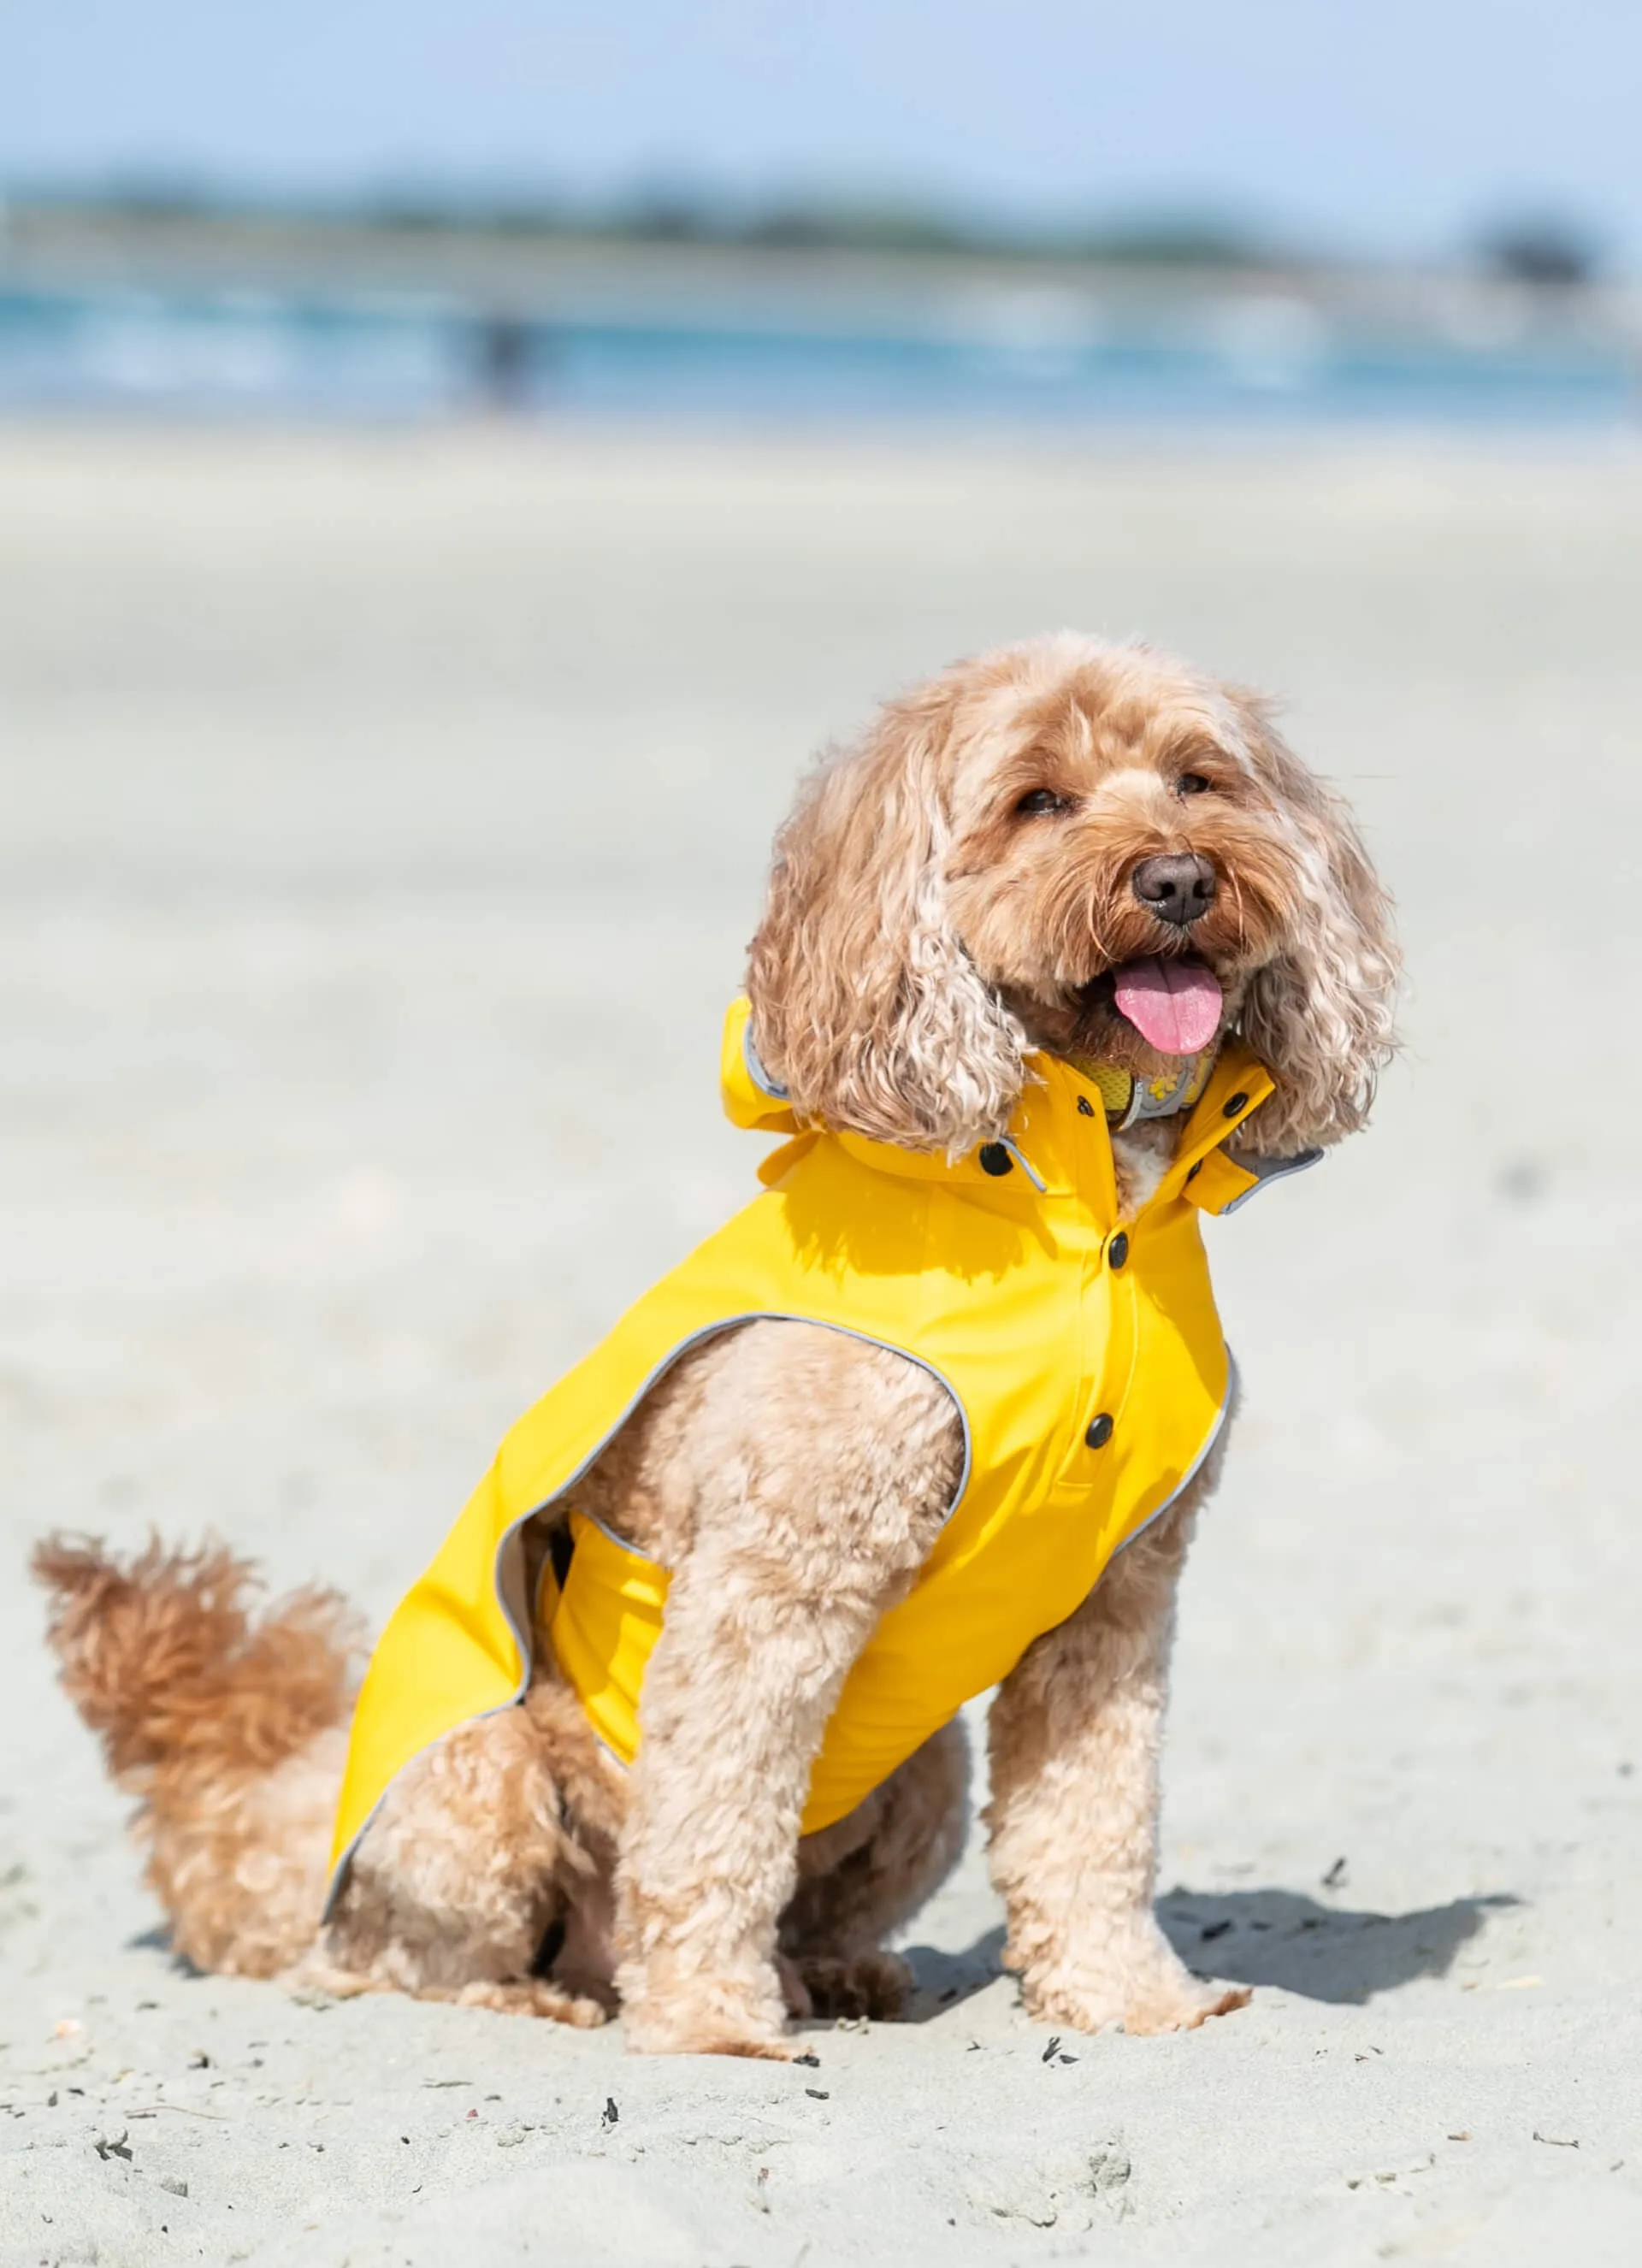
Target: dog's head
[[1084, 847]]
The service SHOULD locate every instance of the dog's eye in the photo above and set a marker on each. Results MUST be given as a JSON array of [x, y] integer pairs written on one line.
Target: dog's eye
[[1191, 784], [1039, 798]]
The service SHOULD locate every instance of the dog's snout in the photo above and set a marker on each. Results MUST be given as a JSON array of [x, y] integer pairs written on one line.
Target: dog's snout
[[1178, 889]]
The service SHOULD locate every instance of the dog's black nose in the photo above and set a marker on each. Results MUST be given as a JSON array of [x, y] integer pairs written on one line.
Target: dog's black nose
[[1178, 889]]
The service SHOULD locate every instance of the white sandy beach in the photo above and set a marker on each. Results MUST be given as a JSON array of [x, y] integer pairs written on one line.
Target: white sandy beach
[[384, 817]]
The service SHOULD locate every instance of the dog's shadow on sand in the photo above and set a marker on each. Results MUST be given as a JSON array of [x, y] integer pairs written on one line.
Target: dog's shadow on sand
[[157, 1939], [1283, 1938], [1323, 1951]]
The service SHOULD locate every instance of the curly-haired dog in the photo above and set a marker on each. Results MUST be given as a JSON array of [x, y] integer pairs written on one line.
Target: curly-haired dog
[[1069, 949]]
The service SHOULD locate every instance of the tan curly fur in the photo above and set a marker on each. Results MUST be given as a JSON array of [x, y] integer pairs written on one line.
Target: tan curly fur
[[949, 897]]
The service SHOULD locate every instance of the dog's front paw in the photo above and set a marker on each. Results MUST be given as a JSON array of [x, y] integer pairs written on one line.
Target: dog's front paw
[[695, 2015], [706, 2031], [1182, 2010], [1149, 1997], [536, 1996]]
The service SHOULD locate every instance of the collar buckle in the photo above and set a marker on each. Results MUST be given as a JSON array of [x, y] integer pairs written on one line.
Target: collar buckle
[[1130, 1101]]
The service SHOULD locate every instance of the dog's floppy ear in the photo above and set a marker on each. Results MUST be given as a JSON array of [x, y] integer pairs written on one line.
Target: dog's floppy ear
[[865, 1007], [1320, 1016]]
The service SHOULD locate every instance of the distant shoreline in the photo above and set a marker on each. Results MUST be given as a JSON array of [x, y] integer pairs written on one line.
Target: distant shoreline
[[192, 309], [533, 252]]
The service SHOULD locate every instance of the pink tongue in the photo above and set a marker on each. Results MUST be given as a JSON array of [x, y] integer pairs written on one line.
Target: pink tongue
[[1174, 1004]]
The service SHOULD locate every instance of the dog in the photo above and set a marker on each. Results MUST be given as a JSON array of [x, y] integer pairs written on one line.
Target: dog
[[1048, 901]]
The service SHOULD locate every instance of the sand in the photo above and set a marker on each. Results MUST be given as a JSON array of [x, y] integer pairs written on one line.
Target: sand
[[384, 817]]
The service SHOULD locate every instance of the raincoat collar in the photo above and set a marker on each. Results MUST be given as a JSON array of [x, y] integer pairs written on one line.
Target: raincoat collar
[[1059, 1145]]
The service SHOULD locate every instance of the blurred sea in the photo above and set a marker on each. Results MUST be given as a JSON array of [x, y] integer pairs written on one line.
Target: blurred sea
[[1024, 357]]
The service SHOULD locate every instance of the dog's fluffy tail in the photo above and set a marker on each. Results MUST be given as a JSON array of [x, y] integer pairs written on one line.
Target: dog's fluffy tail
[[226, 1724], [166, 1664]]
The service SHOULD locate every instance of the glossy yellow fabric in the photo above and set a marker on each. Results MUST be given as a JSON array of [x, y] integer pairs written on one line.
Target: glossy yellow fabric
[[1006, 1284]]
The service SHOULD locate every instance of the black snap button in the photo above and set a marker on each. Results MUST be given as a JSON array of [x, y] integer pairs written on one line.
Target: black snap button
[[1196, 1170], [1234, 1104], [995, 1159], [1117, 1250], [1099, 1433], [1085, 1108]]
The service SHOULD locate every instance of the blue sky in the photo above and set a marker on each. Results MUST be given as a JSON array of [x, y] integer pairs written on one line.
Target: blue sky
[[1381, 126]]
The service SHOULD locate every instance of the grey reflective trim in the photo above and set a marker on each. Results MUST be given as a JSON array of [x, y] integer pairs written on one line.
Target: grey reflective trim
[[1234, 1382], [510, 1579], [733, 1322], [620, 1542], [1025, 1165], [507, 1572], [1265, 1170], [755, 1071]]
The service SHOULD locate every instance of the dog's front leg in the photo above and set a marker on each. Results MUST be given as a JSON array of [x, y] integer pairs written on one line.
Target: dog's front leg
[[819, 1468], [736, 1697], [1075, 1736]]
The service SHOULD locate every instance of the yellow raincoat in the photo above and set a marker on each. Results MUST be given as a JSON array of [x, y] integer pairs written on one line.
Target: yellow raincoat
[[1083, 1352]]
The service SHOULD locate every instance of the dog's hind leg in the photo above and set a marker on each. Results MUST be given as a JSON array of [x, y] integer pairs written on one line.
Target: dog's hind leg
[[471, 1861], [863, 1877], [230, 1727]]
